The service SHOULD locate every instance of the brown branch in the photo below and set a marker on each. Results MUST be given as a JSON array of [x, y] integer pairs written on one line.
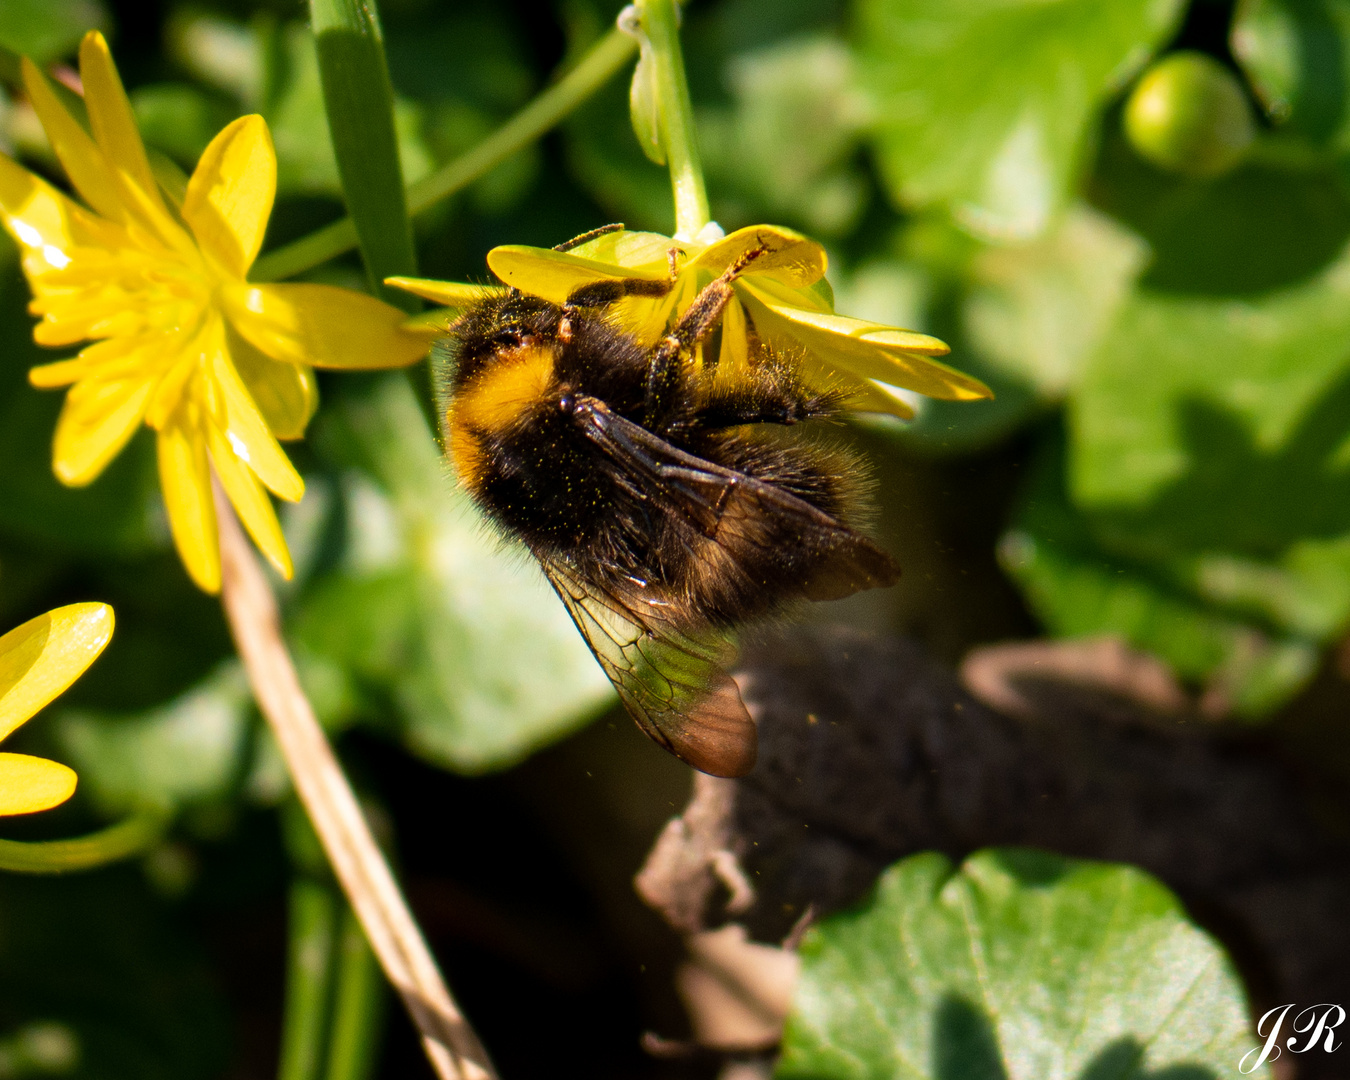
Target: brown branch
[[251, 609]]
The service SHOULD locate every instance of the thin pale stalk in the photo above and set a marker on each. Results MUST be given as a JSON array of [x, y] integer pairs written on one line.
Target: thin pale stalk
[[594, 69], [135, 835], [660, 23], [251, 610]]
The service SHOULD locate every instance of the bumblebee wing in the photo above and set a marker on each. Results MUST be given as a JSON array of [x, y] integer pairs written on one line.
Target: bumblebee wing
[[672, 680], [740, 512]]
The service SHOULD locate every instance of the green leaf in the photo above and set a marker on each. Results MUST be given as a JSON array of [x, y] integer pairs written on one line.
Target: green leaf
[[1217, 433], [427, 608], [986, 107], [47, 30], [1039, 309], [295, 112], [1078, 587], [1264, 226], [1296, 54], [190, 750], [103, 968], [1020, 965], [784, 150], [359, 102]]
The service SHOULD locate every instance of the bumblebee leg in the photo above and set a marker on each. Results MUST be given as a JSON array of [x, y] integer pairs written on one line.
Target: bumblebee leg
[[612, 290], [776, 402], [694, 325], [602, 294]]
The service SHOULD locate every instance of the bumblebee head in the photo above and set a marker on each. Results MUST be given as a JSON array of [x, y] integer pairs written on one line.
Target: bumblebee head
[[499, 327]]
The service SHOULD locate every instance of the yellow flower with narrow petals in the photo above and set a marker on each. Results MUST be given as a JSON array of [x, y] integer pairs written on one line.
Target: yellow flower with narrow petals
[[38, 661], [220, 368], [782, 299]]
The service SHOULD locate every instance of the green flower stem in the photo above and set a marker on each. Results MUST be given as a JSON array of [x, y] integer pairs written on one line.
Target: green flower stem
[[133, 836], [660, 23], [594, 69], [309, 979], [358, 1008]]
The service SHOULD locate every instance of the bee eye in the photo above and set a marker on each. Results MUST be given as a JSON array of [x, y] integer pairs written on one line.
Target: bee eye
[[508, 339]]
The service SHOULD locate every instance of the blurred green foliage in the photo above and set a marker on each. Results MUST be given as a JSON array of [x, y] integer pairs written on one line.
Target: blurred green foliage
[[106, 981]]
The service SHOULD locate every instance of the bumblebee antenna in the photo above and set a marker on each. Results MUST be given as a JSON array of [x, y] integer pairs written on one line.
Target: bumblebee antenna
[[577, 241]]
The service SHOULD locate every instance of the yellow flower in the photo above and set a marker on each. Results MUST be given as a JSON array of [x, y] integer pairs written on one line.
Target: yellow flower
[[37, 662], [782, 298], [218, 367]]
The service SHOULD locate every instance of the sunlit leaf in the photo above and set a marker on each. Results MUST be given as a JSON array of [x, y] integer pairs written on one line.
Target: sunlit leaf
[[1039, 309], [985, 108], [1019, 965], [787, 142]]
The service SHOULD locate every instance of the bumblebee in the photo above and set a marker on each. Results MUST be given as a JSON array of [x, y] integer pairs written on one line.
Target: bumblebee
[[664, 503]]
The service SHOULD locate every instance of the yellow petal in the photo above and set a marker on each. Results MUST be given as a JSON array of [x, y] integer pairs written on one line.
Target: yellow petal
[[817, 297], [39, 659], [60, 373], [251, 503], [555, 275], [247, 434], [735, 354], [29, 784], [185, 478], [788, 257], [37, 216], [433, 323], [229, 197], [286, 394], [172, 389], [634, 250], [453, 294], [113, 358], [864, 395], [867, 350], [98, 418], [152, 214], [323, 326], [83, 161], [110, 115]]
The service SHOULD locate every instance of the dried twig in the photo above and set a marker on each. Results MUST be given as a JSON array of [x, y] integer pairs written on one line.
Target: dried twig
[[250, 607]]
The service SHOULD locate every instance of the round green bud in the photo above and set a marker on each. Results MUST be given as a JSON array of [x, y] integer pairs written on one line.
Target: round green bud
[[1188, 114]]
